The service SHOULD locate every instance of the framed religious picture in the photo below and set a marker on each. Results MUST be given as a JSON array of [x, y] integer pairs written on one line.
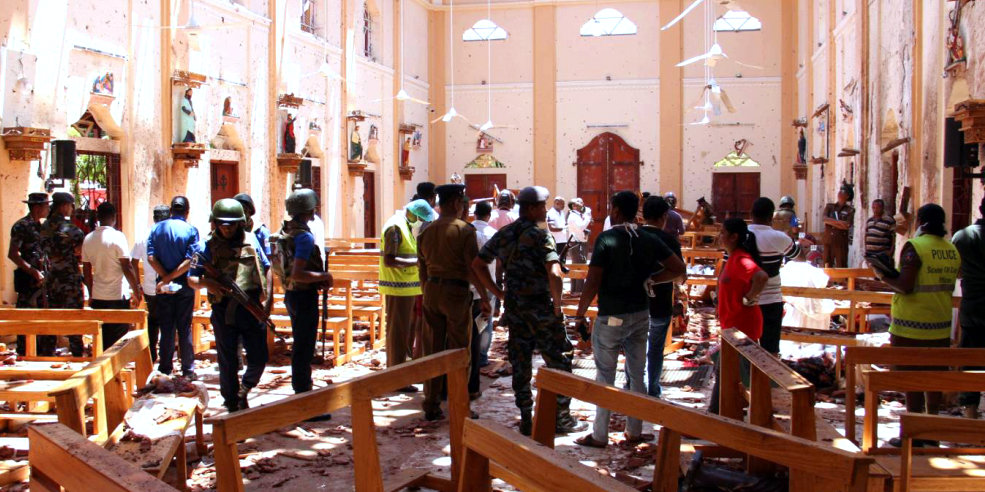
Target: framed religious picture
[[415, 141], [484, 144]]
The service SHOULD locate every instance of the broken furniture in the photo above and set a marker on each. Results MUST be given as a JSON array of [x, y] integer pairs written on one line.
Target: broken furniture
[[61, 459], [492, 450], [820, 466], [228, 429]]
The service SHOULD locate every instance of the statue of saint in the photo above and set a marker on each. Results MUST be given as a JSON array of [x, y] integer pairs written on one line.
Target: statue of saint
[[355, 145], [802, 148], [405, 153], [186, 124], [290, 143], [227, 107]]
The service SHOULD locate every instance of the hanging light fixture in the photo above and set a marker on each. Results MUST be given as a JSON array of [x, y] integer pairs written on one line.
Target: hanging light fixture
[[402, 94], [488, 124], [451, 113], [192, 27]]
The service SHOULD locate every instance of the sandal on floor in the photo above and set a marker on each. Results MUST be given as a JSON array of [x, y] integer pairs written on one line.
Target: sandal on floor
[[644, 437], [590, 442]]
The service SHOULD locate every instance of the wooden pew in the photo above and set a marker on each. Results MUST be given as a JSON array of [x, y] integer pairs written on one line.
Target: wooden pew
[[228, 429], [492, 450], [854, 297], [135, 317], [938, 427], [764, 369], [61, 459], [888, 356], [817, 466], [824, 337]]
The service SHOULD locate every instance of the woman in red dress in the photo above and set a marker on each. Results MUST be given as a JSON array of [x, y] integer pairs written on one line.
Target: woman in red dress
[[739, 286]]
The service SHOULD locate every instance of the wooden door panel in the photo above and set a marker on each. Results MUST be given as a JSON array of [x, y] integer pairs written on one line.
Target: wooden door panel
[[746, 191], [225, 180], [478, 186], [605, 166], [723, 194], [369, 204]]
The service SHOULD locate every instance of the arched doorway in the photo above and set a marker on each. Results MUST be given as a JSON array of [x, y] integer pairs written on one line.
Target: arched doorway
[[605, 166]]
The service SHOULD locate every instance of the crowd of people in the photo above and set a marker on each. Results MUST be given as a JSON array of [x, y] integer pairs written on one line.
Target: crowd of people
[[445, 279]]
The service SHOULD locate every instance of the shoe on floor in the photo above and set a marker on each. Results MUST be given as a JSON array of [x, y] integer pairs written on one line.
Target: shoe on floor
[[475, 396], [917, 443], [590, 441], [241, 398], [190, 375], [526, 422], [568, 425], [410, 388], [320, 418], [473, 415], [644, 437], [432, 415]]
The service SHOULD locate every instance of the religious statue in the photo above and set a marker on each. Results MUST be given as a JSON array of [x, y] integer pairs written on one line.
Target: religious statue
[[405, 153], [290, 142], [416, 141], [227, 106], [802, 148], [313, 125], [955, 44], [484, 144], [355, 145], [103, 84], [374, 133], [456, 178], [186, 124]]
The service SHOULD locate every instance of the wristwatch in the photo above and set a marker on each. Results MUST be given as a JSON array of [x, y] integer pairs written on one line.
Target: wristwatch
[[749, 302]]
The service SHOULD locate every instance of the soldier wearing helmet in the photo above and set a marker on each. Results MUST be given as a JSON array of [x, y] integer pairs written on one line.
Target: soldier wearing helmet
[[299, 263], [235, 253], [785, 218]]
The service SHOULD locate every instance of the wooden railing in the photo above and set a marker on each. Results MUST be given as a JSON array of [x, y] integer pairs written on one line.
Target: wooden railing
[[492, 450], [228, 429], [61, 459], [888, 356], [820, 466], [938, 427]]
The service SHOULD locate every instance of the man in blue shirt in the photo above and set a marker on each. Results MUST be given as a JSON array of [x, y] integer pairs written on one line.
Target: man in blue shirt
[[299, 264], [170, 248], [262, 232], [232, 251]]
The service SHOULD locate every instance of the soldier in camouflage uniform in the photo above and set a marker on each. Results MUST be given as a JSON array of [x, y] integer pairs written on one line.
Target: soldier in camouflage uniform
[[62, 240], [25, 252], [532, 301]]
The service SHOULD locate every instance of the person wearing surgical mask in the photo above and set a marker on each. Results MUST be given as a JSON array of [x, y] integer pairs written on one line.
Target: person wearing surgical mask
[[400, 282]]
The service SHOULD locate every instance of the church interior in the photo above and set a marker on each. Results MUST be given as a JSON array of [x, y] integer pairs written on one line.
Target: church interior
[[821, 106]]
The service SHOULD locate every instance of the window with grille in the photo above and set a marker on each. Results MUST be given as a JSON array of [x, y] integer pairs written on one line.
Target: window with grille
[[368, 21], [737, 21], [484, 30], [608, 22], [308, 16]]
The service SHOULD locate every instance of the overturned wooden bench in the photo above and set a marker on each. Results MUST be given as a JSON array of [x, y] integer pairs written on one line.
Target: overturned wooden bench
[[813, 466], [229, 429]]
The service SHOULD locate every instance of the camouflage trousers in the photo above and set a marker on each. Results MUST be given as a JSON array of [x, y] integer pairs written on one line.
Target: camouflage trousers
[[546, 333]]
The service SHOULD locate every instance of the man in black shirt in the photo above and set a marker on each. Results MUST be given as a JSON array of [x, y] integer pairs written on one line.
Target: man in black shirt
[[655, 212]]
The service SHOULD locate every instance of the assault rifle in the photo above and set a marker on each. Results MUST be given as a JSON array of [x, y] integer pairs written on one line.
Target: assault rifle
[[560, 254], [237, 293]]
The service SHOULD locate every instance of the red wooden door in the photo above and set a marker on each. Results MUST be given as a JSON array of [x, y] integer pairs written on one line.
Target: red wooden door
[[605, 166], [369, 204], [732, 194], [479, 186], [225, 179]]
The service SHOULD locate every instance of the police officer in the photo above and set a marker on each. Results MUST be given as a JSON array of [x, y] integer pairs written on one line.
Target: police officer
[[261, 232], [785, 218], [25, 251], [838, 220], [532, 301], [446, 250], [299, 264], [234, 251], [62, 240]]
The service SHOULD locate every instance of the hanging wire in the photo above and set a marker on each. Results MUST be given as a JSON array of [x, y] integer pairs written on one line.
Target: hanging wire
[[489, 65]]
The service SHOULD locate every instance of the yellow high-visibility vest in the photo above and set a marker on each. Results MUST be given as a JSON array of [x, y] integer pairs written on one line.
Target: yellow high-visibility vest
[[925, 313], [400, 281]]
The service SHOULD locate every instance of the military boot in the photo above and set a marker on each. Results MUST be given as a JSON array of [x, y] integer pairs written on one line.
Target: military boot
[[242, 402], [566, 424], [526, 421]]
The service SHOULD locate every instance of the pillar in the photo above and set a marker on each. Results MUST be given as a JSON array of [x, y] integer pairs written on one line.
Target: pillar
[[545, 96], [671, 94]]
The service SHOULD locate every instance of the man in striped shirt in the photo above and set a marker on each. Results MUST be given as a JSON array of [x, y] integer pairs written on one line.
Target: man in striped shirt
[[880, 230], [773, 247]]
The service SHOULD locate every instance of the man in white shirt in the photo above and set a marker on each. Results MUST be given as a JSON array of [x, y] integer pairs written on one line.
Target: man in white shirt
[[105, 263], [773, 247], [803, 312], [483, 232], [558, 225], [579, 220], [148, 282], [504, 214]]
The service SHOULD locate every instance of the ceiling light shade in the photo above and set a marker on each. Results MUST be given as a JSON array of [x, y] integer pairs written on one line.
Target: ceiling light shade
[[486, 126], [449, 115], [325, 70], [402, 95]]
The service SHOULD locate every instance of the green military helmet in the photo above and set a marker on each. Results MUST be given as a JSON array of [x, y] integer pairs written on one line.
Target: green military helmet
[[228, 211], [301, 201], [787, 200]]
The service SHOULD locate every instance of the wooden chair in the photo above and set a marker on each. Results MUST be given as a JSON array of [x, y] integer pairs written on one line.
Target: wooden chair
[[492, 450], [813, 466], [61, 459], [937, 427], [229, 429]]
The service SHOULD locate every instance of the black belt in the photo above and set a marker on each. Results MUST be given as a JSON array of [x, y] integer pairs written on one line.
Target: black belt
[[449, 281]]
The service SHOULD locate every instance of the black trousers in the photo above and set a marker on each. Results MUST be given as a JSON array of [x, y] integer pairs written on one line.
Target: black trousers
[[772, 322], [112, 331], [227, 337], [175, 313], [474, 348], [153, 324], [972, 336], [302, 307]]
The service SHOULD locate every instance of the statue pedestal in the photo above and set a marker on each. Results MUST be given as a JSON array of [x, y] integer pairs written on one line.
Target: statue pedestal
[[289, 162], [187, 153], [406, 172], [971, 114], [357, 168], [25, 144]]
